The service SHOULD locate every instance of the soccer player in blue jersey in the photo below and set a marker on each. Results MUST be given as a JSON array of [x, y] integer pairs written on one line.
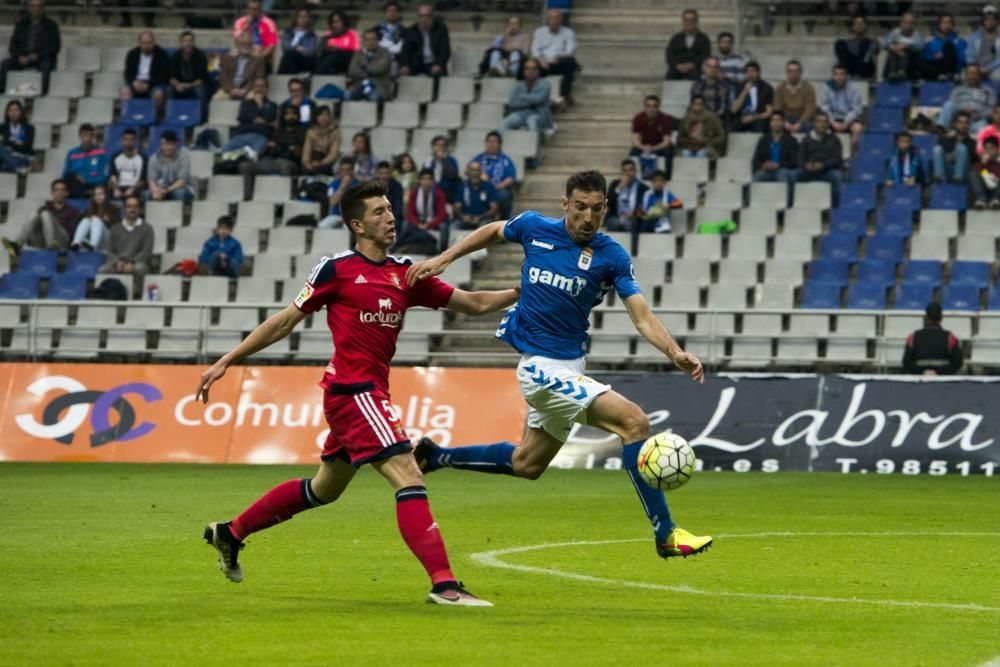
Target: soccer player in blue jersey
[[569, 267]]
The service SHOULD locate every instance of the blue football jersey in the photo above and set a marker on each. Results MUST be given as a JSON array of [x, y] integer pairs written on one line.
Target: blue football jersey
[[561, 282]]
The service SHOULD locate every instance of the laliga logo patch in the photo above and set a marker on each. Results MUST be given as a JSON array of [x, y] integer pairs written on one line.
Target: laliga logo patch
[[586, 256], [66, 413], [304, 294]]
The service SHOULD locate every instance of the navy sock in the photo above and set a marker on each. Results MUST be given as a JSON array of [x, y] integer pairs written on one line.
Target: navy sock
[[653, 501], [495, 459]]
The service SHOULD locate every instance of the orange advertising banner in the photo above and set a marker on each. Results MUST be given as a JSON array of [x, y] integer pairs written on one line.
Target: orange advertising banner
[[256, 414]]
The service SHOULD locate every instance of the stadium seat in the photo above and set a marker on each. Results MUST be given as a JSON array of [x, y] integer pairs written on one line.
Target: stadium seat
[[157, 131], [934, 93], [52, 110], [735, 169], [484, 116], [913, 296], [838, 246], [662, 246], [365, 114], [71, 84], [135, 111], [443, 114], [981, 223], [925, 143], [863, 195], [780, 296], [751, 352], [738, 272], [951, 197], [902, 197], [182, 113], [493, 90], [928, 246], [456, 89], [876, 271], [893, 94], [993, 302], [964, 272], [783, 271], [288, 240], [829, 271], [922, 272], [276, 189], [866, 296], [84, 263], [804, 221], [418, 89], [793, 247], [695, 170], [885, 119], [726, 195], [745, 246], [40, 263], [875, 144], [81, 59], [24, 81], [940, 223], [94, 110], [849, 221], [769, 195], [976, 249], [225, 188], [404, 115], [894, 221], [682, 295], [697, 271], [106, 85], [867, 168], [821, 295], [706, 247], [19, 285], [885, 248], [813, 195], [960, 297]]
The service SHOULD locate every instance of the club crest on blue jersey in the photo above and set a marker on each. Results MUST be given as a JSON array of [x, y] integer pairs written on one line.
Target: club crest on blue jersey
[[586, 255]]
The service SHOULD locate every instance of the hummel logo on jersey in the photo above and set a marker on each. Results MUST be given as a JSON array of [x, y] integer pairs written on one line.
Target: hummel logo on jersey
[[572, 285], [542, 244], [360, 280]]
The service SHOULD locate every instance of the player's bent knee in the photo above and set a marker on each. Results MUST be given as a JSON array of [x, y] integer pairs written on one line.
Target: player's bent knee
[[635, 424], [530, 471]]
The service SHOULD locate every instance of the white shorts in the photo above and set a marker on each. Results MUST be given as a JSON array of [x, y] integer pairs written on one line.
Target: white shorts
[[557, 392]]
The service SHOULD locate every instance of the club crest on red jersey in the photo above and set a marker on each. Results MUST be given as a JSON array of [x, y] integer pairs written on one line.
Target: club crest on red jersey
[[394, 277]]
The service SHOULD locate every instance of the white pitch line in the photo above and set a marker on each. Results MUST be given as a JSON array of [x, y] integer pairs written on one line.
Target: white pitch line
[[492, 559], [995, 662]]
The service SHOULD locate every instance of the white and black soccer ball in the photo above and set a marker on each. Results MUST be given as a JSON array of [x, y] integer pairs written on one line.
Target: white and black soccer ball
[[666, 461]]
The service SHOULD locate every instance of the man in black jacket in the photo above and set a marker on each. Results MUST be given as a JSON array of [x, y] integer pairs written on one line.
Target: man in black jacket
[[428, 47], [34, 45], [776, 156], [932, 350], [820, 156], [147, 70], [625, 199], [688, 49], [189, 73]]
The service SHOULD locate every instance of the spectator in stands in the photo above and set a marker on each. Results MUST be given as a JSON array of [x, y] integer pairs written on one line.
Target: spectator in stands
[[394, 189], [499, 170], [796, 99], [905, 167], [857, 53], [238, 69], [731, 65], [776, 156], [428, 46], [984, 178], [392, 34], [426, 207], [404, 170], [100, 216], [943, 55], [932, 350], [554, 47], [86, 165], [128, 168], [360, 152], [169, 171], [954, 151], [657, 204], [335, 192], [130, 244], [820, 157], [753, 105], [262, 30], [974, 96], [477, 202], [687, 50], [283, 154], [625, 195], [222, 254], [652, 132], [842, 103], [701, 133], [712, 88], [369, 76], [903, 45], [51, 228], [256, 118], [189, 73], [299, 45], [528, 103], [322, 145], [991, 130], [147, 71], [338, 45], [298, 100], [34, 44], [984, 45], [504, 56], [446, 170], [17, 139]]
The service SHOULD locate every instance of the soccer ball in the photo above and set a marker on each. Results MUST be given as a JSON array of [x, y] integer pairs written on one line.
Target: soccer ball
[[666, 461]]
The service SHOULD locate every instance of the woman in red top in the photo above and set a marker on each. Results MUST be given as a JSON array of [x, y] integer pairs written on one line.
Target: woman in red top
[[338, 45]]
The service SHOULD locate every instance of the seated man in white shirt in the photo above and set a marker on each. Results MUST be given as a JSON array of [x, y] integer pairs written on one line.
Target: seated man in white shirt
[[553, 46]]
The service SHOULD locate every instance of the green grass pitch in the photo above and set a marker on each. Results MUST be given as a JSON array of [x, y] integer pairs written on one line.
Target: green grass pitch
[[104, 565]]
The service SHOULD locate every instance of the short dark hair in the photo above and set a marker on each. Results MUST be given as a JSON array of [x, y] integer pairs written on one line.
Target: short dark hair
[[370, 31], [439, 137], [859, 16], [991, 141], [794, 62], [821, 113], [840, 67], [696, 97], [168, 135], [384, 164], [297, 80], [964, 114], [347, 159], [752, 63], [586, 181], [352, 205], [725, 33], [225, 221], [654, 98], [426, 171], [130, 132], [494, 133], [390, 3], [933, 312], [901, 134], [57, 182], [135, 197], [86, 127], [658, 173], [186, 33], [628, 163], [779, 114]]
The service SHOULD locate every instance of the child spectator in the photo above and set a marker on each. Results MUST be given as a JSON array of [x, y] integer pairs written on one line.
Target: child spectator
[[222, 254], [905, 166], [984, 180], [657, 205]]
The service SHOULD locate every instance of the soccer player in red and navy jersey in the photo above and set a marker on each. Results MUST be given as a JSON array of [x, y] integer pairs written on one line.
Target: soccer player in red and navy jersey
[[366, 297]]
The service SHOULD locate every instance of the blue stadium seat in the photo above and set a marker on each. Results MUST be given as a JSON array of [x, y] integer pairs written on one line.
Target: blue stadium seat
[[934, 93], [925, 143], [913, 296], [876, 144], [830, 271], [849, 221], [877, 271], [866, 296], [965, 272], [863, 195], [839, 246], [40, 263], [821, 295], [113, 137], [885, 119], [894, 94], [902, 196], [867, 169], [84, 263], [894, 221], [960, 297], [141, 112], [885, 248], [923, 272], [185, 113], [79, 204], [993, 303], [156, 132], [949, 197], [68, 286], [19, 286]]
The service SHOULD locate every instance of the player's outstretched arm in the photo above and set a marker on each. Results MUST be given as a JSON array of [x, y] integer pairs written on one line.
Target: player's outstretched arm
[[480, 303], [653, 330], [266, 334], [483, 237]]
